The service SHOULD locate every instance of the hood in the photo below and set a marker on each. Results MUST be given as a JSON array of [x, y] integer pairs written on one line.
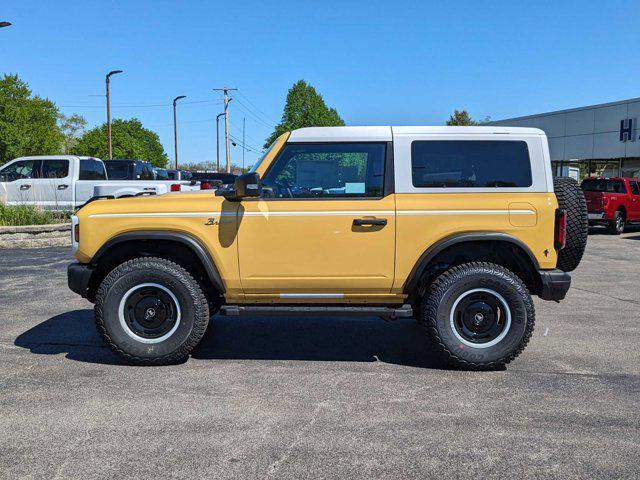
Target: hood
[[196, 201]]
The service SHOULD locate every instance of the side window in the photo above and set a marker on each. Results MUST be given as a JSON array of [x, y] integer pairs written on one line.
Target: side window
[[55, 168], [20, 170], [92, 170], [470, 163], [635, 190], [327, 170], [147, 172]]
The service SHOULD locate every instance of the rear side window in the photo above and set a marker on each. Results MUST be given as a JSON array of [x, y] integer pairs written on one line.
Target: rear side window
[[147, 172], [470, 163], [634, 188], [117, 170], [92, 170], [55, 168], [603, 185]]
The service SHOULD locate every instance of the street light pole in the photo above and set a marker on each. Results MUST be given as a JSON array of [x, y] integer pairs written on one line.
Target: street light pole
[[226, 91], [5, 24], [218, 141], [175, 127], [107, 81]]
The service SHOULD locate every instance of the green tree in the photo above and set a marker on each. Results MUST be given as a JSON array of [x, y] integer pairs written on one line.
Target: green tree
[[27, 122], [129, 140], [461, 118], [72, 128], [304, 108]]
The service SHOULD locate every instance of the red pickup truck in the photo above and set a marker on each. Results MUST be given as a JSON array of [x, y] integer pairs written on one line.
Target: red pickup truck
[[613, 202]]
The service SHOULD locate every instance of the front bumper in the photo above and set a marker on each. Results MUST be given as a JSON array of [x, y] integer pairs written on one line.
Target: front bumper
[[78, 276], [555, 284]]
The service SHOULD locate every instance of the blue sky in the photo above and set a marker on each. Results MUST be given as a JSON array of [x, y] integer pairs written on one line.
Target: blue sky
[[401, 62]]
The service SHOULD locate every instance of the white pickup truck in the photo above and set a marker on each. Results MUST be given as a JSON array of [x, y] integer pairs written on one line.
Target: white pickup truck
[[65, 182]]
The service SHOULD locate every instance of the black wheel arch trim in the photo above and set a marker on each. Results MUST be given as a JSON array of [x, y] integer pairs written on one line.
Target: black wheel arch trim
[[188, 240], [431, 252]]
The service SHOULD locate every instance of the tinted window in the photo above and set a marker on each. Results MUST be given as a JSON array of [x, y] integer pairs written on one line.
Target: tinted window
[[603, 185], [55, 168], [92, 170], [20, 170], [147, 172], [117, 170], [327, 170], [634, 188], [161, 174], [467, 164]]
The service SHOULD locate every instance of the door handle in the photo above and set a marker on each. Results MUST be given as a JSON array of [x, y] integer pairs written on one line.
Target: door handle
[[359, 222], [25, 187], [63, 187]]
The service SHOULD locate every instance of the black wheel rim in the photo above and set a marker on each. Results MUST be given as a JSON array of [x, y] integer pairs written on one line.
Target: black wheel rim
[[480, 318], [150, 311]]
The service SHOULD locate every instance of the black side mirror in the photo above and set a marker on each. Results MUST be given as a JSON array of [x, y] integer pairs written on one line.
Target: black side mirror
[[245, 186]]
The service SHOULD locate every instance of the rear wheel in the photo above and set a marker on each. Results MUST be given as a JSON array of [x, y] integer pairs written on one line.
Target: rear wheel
[[478, 316], [616, 226], [571, 199], [151, 311]]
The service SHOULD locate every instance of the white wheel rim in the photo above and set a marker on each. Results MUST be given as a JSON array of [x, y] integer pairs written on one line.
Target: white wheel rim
[[496, 340], [131, 333]]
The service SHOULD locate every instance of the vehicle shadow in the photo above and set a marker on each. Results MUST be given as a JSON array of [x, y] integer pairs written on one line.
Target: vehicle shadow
[[343, 339]]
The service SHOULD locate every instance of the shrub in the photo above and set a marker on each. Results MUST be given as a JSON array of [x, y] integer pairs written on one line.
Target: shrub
[[18, 215]]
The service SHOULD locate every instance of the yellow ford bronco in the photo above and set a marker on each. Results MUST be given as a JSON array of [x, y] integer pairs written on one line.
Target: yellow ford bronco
[[455, 226]]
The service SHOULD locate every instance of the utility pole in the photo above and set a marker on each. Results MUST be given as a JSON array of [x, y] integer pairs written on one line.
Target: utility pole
[[107, 81], [218, 141], [226, 91], [175, 127], [243, 120]]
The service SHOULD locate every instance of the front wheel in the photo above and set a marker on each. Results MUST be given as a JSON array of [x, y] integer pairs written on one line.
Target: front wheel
[[151, 311], [478, 316]]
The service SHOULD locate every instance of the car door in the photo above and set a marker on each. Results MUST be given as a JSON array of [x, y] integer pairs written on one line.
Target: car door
[[634, 204], [17, 179], [323, 228], [53, 190]]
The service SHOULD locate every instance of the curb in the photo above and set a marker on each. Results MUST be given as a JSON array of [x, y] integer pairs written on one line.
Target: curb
[[35, 236]]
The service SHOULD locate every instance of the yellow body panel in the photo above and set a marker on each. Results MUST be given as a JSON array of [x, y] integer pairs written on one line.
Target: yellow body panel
[[425, 219], [312, 246], [274, 249]]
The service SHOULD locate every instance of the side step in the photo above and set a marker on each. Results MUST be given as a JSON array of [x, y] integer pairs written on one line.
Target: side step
[[405, 311]]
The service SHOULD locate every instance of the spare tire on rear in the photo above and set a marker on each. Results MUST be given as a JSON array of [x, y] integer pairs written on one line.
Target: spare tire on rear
[[571, 199]]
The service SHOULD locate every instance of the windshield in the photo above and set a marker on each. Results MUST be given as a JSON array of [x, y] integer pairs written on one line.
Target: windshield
[[602, 185]]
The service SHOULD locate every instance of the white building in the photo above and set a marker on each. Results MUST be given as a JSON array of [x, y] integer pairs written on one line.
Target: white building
[[602, 140]]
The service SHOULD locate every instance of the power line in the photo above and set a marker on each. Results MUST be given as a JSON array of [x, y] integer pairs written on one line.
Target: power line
[[265, 116], [253, 116]]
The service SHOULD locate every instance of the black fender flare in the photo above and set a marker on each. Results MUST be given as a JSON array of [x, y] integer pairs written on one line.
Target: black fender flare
[[188, 240], [431, 252]]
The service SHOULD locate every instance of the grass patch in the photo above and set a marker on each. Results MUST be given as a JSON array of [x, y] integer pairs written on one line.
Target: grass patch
[[19, 215]]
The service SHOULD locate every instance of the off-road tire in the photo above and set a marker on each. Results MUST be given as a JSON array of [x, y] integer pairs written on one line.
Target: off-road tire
[[436, 313], [571, 198], [618, 224], [192, 304]]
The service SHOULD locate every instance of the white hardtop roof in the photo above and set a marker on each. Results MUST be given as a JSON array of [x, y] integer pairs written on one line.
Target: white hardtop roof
[[56, 157], [362, 134]]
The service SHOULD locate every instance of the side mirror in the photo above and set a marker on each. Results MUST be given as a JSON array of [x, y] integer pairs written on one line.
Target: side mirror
[[245, 186]]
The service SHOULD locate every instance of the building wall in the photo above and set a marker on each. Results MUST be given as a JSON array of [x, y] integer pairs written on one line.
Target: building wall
[[591, 132]]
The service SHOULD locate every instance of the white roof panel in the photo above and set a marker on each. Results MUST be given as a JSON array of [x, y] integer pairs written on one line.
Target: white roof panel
[[341, 134], [384, 134]]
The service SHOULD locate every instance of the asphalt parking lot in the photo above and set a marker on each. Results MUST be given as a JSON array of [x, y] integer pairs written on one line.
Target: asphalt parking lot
[[321, 398]]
